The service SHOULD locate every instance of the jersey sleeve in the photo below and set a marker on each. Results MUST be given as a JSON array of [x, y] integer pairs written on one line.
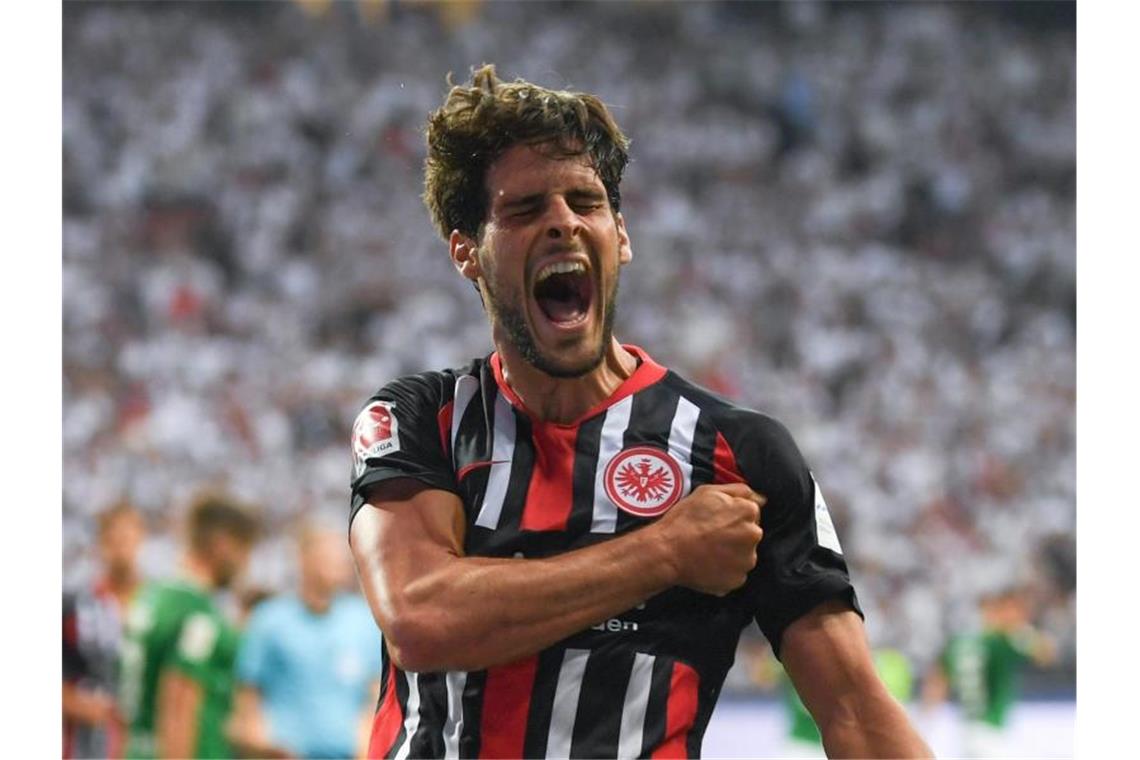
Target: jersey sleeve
[[398, 435], [194, 645], [799, 560]]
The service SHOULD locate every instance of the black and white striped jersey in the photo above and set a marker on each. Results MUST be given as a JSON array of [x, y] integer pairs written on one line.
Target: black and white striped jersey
[[92, 634], [644, 683]]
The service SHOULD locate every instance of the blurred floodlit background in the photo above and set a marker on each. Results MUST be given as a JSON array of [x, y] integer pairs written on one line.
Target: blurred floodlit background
[[858, 218]]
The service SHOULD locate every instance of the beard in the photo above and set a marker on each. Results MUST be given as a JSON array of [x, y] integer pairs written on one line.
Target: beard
[[509, 313]]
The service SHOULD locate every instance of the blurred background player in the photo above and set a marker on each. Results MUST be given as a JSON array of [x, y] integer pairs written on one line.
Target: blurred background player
[[92, 625], [308, 667], [982, 669], [176, 681]]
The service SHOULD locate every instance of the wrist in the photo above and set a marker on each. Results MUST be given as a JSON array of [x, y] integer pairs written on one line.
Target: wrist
[[665, 568]]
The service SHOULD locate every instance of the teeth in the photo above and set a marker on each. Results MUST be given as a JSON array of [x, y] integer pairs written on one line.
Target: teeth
[[562, 267]]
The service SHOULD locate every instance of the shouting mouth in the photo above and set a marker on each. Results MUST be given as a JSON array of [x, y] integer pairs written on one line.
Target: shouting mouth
[[564, 292]]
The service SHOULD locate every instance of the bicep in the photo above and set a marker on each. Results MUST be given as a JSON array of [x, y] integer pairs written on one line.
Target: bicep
[[406, 530], [826, 656]]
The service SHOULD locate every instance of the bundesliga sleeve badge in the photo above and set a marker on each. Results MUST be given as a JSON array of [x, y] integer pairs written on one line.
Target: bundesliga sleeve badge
[[643, 481], [374, 434]]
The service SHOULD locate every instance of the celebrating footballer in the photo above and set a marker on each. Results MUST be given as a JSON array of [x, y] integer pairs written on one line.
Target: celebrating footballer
[[563, 541]]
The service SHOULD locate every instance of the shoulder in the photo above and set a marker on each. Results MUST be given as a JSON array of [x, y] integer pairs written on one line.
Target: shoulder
[[755, 435], [177, 603], [416, 400], [279, 607], [427, 386]]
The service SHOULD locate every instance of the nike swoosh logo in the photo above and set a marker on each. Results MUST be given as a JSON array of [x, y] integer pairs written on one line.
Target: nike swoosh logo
[[466, 469]]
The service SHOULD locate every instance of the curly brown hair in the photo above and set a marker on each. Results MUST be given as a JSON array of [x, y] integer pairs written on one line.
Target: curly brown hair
[[477, 123]]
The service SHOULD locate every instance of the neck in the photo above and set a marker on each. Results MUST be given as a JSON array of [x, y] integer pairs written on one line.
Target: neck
[[121, 583], [315, 598], [563, 400], [197, 572]]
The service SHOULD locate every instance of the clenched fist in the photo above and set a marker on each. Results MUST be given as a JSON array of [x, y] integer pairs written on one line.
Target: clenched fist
[[713, 533]]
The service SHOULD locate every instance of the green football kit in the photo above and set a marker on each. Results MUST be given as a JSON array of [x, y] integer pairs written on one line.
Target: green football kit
[[983, 670], [176, 625]]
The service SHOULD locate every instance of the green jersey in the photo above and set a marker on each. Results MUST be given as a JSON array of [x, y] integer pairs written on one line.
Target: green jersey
[[892, 666], [175, 625], [983, 670]]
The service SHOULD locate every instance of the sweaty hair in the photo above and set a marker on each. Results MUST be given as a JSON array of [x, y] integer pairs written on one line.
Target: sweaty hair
[[218, 514], [478, 122]]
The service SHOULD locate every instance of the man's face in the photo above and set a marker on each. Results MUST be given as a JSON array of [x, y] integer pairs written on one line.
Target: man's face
[[120, 542], [325, 561], [228, 557], [548, 259]]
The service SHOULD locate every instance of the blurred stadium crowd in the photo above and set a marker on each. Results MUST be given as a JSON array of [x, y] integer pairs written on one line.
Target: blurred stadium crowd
[[857, 218]]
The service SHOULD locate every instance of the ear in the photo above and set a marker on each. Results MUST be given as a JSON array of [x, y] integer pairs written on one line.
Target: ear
[[625, 250], [464, 255]]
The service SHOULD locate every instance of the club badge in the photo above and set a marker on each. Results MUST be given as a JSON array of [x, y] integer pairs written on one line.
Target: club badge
[[643, 481]]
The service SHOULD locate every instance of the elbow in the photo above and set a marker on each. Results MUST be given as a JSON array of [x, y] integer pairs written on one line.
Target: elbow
[[423, 641]]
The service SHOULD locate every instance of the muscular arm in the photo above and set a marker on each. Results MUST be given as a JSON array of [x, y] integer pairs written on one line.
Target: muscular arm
[[441, 610], [176, 714], [826, 655]]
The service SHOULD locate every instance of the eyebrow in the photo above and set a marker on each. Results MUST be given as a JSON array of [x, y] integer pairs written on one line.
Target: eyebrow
[[577, 193], [525, 200]]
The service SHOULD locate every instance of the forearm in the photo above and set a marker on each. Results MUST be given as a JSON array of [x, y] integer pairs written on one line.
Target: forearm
[[84, 706], [176, 718], [441, 610], [876, 727], [469, 613], [247, 732]]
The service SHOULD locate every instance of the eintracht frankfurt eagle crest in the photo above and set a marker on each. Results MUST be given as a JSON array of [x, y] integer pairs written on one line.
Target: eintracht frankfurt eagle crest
[[643, 481]]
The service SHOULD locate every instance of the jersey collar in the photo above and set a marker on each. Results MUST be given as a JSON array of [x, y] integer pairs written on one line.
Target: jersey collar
[[647, 373]]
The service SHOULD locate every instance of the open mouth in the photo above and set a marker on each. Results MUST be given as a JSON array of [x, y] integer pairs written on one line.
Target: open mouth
[[563, 291]]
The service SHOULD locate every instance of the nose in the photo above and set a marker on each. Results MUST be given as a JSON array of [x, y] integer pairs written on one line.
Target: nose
[[562, 222]]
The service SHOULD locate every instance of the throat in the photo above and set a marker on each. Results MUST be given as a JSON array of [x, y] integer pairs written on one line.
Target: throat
[[565, 400]]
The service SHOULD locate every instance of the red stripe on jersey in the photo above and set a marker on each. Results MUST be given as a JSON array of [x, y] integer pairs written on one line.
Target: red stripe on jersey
[[550, 495], [647, 373], [388, 719], [466, 469], [71, 629], [444, 420], [724, 463], [506, 705], [680, 712]]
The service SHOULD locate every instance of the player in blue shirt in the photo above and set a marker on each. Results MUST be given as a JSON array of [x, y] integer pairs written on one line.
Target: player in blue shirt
[[309, 662]]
